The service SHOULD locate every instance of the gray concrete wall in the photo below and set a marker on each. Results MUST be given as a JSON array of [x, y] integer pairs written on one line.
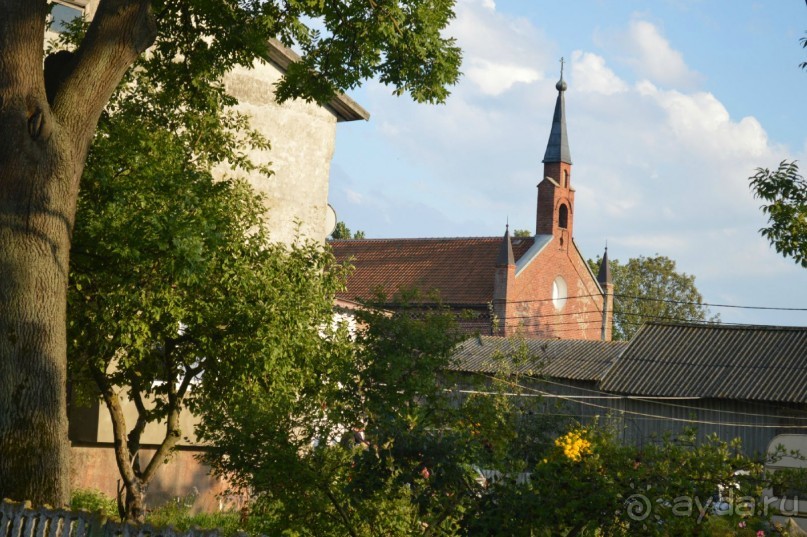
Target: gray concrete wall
[[303, 138]]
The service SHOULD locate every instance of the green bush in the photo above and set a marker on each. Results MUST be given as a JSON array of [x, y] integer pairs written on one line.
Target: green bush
[[94, 501], [177, 514]]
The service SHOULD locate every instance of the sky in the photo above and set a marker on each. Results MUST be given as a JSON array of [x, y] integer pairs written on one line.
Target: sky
[[671, 106]]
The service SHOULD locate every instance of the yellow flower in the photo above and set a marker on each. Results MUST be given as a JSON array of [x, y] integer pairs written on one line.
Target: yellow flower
[[574, 445]]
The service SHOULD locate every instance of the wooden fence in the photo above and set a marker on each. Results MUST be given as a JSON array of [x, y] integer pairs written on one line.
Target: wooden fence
[[21, 520]]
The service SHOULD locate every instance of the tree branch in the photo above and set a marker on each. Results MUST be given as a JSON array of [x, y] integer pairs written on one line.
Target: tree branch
[[123, 456], [120, 31], [142, 417], [172, 433]]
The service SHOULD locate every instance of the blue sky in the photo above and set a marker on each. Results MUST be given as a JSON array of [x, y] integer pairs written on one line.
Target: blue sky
[[671, 105]]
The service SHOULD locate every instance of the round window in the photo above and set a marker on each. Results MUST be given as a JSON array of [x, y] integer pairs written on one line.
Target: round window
[[559, 292]]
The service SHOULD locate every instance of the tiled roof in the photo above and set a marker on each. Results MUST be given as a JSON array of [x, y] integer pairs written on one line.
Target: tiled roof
[[573, 359], [461, 269], [764, 363]]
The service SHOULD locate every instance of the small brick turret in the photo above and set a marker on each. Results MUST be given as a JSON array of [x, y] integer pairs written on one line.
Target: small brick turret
[[604, 279], [503, 284]]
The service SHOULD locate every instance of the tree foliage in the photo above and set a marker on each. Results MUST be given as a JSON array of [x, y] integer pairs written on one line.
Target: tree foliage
[[393, 447], [341, 231], [49, 110], [522, 233], [651, 289], [784, 192], [345, 441], [171, 293]]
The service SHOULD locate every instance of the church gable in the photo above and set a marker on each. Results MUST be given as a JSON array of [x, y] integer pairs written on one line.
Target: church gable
[[555, 295]]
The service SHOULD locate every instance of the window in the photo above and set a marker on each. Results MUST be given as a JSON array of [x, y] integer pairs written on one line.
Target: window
[[565, 179], [61, 15], [559, 293], [563, 216]]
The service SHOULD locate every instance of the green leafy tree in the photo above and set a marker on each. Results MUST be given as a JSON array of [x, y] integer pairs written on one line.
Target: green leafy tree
[[188, 292], [159, 251], [522, 233], [174, 283], [651, 289], [341, 231], [784, 192], [363, 434], [49, 110], [385, 444]]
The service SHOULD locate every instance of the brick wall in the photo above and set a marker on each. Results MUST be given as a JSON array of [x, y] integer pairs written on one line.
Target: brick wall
[[531, 310], [94, 467]]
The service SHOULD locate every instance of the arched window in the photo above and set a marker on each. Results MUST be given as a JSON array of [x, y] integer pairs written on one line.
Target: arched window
[[559, 293], [563, 216], [565, 179]]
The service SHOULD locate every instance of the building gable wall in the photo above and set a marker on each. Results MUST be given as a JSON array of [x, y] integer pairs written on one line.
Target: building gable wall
[[531, 309]]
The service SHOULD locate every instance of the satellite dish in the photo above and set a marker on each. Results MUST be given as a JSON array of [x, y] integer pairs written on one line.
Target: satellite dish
[[330, 220]]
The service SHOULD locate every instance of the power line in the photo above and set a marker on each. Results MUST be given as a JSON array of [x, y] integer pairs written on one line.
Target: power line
[[711, 305], [663, 403], [644, 414], [667, 300], [648, 316]]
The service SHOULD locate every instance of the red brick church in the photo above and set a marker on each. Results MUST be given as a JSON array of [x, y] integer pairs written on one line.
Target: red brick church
[[539, 286]]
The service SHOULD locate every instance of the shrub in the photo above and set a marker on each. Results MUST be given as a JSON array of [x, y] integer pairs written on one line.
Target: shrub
[[94, 501]]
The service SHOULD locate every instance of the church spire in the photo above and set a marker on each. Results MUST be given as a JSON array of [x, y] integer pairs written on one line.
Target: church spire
[[555, 211], [505, 257], [604, 275], [557, 149]]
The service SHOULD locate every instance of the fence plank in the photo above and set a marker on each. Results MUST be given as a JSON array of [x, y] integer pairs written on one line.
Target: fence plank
[[20, 520]]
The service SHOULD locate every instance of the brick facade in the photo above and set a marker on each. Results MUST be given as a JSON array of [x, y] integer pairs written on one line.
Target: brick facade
[[531, 310]]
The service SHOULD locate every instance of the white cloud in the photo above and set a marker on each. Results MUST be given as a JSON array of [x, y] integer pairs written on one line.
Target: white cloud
[[591, 75], [496, 78], [354, 197], [702, 123], [654, 58], [498, 51]]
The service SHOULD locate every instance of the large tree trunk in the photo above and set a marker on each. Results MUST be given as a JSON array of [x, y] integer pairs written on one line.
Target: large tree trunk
[[42, 150], [37, 206], [34, 241]]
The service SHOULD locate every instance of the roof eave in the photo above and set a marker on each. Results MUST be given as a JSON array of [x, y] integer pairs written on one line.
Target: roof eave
[[343, 107]]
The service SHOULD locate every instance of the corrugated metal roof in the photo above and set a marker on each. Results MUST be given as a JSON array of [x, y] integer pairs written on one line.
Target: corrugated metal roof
[[573, 359], [764, 363]]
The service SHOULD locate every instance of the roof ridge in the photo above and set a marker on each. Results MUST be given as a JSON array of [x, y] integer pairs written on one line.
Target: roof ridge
[[380, 239], [737, 326]]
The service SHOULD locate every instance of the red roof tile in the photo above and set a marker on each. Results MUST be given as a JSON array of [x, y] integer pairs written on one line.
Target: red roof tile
[[460, 269]]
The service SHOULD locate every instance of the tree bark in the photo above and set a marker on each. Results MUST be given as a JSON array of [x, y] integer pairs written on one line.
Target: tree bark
[[127, 446], [42, 153]]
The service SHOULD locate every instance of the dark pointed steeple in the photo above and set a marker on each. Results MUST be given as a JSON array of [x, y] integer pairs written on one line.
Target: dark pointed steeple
[[557, 149], [506, 250], [604, 274]]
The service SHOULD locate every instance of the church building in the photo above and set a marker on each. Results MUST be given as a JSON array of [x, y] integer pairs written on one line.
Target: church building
[[539, 287]]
